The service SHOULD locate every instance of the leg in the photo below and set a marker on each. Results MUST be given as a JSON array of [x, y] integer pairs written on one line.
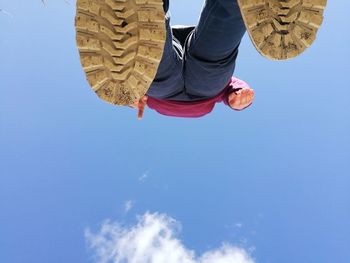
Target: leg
[[212, 48], [168, 80]]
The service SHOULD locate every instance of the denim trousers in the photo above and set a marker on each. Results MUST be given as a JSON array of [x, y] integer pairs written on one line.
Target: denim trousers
[[198, 62]]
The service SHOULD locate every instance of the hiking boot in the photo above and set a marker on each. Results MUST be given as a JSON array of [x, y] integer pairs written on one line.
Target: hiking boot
[[282, 29], [121, 44]]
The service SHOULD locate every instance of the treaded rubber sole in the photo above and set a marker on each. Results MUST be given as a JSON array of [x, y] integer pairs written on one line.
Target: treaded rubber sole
[[282, 29], [121, 44]]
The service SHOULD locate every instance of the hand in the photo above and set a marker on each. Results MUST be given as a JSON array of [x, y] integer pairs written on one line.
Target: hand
[[140, 106], [241, 99]]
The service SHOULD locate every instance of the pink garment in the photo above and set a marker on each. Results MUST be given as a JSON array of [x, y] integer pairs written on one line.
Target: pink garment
[[195, 109]]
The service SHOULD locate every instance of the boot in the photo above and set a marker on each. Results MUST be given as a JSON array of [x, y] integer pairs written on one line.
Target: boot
[[282, 29], [121, 44]]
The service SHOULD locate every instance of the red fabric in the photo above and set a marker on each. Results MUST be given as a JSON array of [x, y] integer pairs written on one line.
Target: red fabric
[[194, 109]]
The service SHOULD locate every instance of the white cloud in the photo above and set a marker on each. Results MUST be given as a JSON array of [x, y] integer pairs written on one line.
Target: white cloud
[[128, 205], [238, 225], [143, 177], [6, 13], [153, 240]]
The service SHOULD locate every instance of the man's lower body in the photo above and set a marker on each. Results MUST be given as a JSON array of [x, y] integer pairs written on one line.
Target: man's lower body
[[121, 44], [201, 64]]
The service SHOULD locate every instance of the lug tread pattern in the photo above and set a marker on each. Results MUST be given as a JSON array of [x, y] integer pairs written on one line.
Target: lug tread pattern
[[120, 44], [282, 29]]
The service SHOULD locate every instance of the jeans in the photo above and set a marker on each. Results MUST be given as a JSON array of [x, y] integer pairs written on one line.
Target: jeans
[[198, 62]]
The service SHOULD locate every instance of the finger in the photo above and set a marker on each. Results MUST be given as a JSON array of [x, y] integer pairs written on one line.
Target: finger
[[141, 110], [232, 96], [245, 97], [251, 97], [247, 94], [144, 99], [245, 100], [237, 102]]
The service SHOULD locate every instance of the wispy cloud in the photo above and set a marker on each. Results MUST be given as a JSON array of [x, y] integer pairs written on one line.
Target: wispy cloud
[[66, 1], [128, 205], [238, 225], [153, 240], [143, 177], [6, 13]]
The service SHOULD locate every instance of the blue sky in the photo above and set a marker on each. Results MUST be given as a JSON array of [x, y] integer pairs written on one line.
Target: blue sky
[[273, 180]]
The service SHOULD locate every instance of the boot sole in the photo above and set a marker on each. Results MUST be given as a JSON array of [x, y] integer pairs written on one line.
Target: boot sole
[[121, 44], [282, 29]]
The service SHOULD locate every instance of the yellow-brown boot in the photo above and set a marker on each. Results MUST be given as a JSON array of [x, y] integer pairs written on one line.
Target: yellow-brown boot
[[121, 44], [282, 29]]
